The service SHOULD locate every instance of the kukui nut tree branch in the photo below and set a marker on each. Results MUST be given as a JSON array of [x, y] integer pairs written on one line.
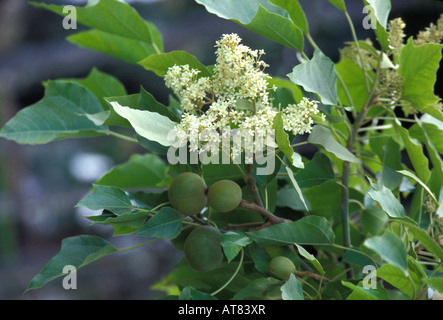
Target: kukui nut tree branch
[[254, 217]]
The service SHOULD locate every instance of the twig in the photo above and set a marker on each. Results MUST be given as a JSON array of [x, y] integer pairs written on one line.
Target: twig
[[272, 219], [241, 226], [250, 180], [311, 275]]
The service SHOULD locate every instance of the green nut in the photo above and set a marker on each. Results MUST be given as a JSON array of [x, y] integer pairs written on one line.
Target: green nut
[[203, 250], [179, 241], [281, 267], [187, 193], [224, 195]]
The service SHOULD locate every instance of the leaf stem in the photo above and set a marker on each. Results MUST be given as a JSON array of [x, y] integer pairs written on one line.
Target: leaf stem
[[356, 251], [273, 219], [250, 180], [233, 276], [354, 36], [138, 245], [299, 144], [122, 136], [347, 165]]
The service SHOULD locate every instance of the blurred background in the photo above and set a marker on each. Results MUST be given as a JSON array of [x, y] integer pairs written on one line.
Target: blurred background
[[40, 185]]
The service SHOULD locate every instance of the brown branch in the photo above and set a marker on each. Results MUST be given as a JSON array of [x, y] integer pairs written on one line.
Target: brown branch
[[311, 275], [250, 180], [273, 219], [242, 225]]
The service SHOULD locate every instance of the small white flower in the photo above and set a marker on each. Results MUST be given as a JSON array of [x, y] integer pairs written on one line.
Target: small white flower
[[209, 105]]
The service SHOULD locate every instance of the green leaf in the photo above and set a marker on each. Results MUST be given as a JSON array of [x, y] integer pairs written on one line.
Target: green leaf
[[142, 101], [165, 224], [436, 160], [360, 293], [309, 230], [324, 199], [425, 239], [389, 203], [232, 242], [434, 130], [397, 278], [160, 63], [140, 171], [296, 13], [102, 85], [281, 83], [150, 125], [114, 17], [260, 289], [146, 101], [292, 289], [109, 198], [391, 158], [374, 221], [322, 136], [357, 258], [189, 293], [418, 66], [435, 283], [282, 139], [339, 4], [382, 37], [381, 10], [354, 79], [110, 117], [260, 16], [128, 49], [316, 171], [296, 186], [311, 258], [277, 28], [424, 186], [213, 172], [318, 76], [124, 223], [415, 152], [148, 200], [76, 251], [58, 115], [184, 276], [288, 197], [390, 248]]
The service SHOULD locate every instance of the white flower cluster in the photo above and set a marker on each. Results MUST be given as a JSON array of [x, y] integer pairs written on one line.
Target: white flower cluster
[[235, 97]]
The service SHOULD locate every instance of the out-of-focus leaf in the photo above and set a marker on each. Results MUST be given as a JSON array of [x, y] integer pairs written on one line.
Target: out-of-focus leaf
[[292, 289], [140, 171], [318, 76], [391, 248], [322, 136], [58, 115], [166, 223], [308, 230], [76, 251]]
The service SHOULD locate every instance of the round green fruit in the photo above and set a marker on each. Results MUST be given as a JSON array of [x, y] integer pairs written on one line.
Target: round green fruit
[[179, 241], [187, 193], [203, 250], [224, 196], [281, 267]]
